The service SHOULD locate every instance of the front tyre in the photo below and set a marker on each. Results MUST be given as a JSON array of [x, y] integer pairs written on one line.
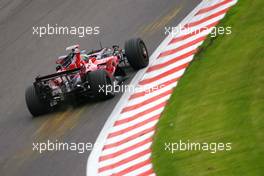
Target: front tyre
[[35, 106], [101, 84], [136, 53]]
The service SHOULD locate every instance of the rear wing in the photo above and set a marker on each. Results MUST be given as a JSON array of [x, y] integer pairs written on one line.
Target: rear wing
[[57, 75]]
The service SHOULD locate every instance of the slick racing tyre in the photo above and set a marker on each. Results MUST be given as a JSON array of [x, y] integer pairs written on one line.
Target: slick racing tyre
[[101, 84], [136, 53], [35, 106]]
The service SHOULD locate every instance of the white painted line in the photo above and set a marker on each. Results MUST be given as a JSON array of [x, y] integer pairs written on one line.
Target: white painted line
[[92, 163]]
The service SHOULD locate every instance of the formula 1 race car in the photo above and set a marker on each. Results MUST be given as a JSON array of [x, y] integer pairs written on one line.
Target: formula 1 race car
[[80, 75]]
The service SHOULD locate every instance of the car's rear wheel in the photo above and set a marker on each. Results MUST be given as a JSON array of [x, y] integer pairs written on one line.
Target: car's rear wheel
[[101, 84], [136, 53], [35, 106]]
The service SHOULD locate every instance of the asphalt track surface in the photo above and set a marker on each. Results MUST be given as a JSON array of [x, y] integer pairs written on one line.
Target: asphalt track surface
[[24, 55]]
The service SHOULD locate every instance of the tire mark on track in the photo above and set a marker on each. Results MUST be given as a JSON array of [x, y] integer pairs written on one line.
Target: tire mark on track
[[57, 125], [160, 22], [54, 127]]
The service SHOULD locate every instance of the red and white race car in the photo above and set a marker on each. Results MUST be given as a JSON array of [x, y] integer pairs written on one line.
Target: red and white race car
[[80, 75]]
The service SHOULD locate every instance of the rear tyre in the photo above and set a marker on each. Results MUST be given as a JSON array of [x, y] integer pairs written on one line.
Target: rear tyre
[[35, 106], [136, 53], [101, 84]]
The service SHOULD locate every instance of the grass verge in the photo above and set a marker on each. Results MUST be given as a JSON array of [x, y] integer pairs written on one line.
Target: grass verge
[[219, 99]]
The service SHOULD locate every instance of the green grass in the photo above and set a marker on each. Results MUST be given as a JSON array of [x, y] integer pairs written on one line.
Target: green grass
[[219, 99]]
